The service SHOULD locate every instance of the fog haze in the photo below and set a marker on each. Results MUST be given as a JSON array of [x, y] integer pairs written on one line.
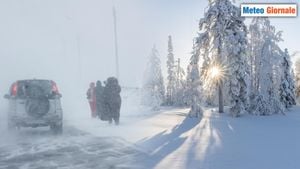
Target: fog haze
[[65, 39], [71, 41]]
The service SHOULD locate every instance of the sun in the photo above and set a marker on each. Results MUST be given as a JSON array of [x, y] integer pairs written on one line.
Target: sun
[[215, 72], [214, 75]]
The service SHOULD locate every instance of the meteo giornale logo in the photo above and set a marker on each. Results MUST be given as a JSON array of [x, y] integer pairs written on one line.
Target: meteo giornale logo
[[269, 10]]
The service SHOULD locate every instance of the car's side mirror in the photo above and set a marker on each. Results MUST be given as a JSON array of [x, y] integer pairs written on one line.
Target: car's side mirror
[[6, 96]]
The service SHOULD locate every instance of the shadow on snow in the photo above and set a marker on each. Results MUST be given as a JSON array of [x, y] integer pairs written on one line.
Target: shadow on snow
[[164, 143]]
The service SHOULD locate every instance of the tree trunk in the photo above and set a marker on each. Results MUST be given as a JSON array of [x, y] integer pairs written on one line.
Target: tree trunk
[[221, 103]]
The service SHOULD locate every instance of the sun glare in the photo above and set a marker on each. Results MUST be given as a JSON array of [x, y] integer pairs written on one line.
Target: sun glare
[[215, 72]]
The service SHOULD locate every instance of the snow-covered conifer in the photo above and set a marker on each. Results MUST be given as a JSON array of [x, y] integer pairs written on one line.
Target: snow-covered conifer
[[180, 84], [193, 92], [222, 42], [153, 84], [287, 86], [297, 77], [171, 88], [266, 71]]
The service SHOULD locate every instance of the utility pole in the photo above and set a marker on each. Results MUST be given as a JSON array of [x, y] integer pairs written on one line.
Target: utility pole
[[116, 43], [79, 60], [178, 66], [178, 73]]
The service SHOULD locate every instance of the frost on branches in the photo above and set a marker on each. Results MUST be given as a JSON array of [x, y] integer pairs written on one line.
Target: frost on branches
[[171, 88], [180, 85], [153, 89], [297, 77], [222, 41], [287, 86], [193, 92], [236, 43], [265, 67]]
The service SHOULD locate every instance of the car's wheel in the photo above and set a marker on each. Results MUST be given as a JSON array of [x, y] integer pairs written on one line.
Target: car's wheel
[[57, 128]]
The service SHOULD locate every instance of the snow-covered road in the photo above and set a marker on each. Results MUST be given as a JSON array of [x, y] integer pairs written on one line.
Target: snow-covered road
[[85, 143], [75, 149], [157, 140]]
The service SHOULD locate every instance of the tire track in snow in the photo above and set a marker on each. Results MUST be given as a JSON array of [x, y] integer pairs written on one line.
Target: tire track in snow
[[75, 149]]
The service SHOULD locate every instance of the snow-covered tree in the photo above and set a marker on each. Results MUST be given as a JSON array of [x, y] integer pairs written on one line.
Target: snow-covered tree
[[222, 43], [171, 85], [297, 77], [180, 85], [287, 86], [236, 43], [266, 73], [153, 84], [193, 83], [254, 51]]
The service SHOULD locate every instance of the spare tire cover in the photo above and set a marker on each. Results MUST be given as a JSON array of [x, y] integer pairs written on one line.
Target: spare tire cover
[[37, 105]]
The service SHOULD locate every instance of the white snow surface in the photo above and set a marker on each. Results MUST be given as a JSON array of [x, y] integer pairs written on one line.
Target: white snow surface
[[162, 139], [218, 141]]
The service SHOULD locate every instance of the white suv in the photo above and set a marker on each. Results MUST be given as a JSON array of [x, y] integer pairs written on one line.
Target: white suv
[[35, 103]]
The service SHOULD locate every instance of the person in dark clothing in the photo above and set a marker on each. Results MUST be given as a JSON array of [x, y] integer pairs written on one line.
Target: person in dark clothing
[[100, 100], [112, 99]]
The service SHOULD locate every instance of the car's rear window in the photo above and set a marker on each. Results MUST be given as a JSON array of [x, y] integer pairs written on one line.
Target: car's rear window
[[34, 88]]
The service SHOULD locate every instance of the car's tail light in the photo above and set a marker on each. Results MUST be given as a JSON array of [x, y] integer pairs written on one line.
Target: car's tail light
[[54, 87], [14, 89]]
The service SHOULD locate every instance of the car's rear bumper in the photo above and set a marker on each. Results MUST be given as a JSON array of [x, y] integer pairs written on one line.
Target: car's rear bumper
[[35, 122]]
